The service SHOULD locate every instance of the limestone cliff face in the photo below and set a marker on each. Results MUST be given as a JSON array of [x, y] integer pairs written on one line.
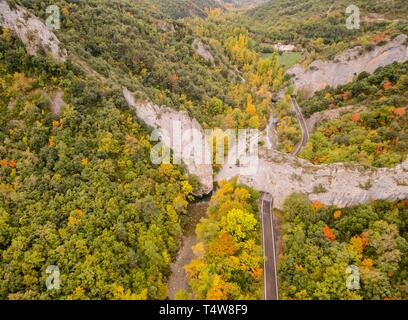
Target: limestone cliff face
[[348, 64], [31, 30], [335, 184], [170, 121]]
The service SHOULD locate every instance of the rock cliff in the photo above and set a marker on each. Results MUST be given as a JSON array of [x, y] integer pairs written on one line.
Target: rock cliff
[[31, 30], [170, 121], [335, 184], [348, 64], [200, 49]]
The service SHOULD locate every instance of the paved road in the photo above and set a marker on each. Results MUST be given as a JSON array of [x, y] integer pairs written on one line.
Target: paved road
[[270, 272], [303, 126]]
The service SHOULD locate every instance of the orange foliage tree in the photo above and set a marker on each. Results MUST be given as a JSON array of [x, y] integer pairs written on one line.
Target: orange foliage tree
[[317, 205], [387, 85], [328, 233], [367, 263], [356, 117], [222, 246], [12, 164]]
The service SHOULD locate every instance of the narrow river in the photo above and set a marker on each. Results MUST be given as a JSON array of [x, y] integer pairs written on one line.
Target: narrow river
[[178, 277]]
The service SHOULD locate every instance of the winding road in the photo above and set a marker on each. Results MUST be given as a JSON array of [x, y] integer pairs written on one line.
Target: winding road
[[303, 126], [268, 236]]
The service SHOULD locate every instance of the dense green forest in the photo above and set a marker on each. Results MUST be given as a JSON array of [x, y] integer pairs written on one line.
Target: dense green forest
[[321, 242], [77, 190], [229, 263], [375, 133]]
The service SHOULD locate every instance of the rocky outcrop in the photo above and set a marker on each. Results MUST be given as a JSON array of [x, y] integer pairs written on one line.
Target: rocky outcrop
[[345, 66], [56, 102], [170, 123], [335, 184], [328, 115], [200, 50], [165, 26], [31, 30]]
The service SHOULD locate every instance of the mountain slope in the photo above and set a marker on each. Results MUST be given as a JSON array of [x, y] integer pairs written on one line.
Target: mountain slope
[[184, 8], [320, 26], [136, 45], [77, 191]]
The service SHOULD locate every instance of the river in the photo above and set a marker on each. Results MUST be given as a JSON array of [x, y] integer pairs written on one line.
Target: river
[[178, 278]]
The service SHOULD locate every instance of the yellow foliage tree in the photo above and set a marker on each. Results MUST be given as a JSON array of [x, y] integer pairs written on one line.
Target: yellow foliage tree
[[337, 214], [356, 245], [367, 263], [250, 107]]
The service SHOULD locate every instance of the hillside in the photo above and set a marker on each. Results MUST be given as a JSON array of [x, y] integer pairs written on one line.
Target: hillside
[[374, 132], [319, 27], [321, 243], [75, 189]]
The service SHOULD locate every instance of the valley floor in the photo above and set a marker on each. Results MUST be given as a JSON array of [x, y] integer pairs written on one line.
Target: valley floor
[[178, 278]]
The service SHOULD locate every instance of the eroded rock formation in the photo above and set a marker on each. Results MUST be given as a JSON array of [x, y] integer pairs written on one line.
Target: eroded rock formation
[[31, 30], [200, 49], [170, 121], [345, 66], [335, 184]]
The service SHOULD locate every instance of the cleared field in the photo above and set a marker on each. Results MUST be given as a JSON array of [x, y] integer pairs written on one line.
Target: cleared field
[[288, 59]]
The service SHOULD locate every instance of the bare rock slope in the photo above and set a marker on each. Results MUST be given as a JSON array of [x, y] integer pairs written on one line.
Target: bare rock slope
[[31, 30], [335, 184], [169, 121], [345, 66], [200, 49]]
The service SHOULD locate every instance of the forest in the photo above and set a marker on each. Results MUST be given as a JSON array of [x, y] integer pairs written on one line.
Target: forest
[[375, 133], [77, 190], [321, 242], [141, 47], [229, 255]]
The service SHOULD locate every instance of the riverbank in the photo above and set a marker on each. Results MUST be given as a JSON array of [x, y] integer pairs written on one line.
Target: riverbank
[[178, 278]]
